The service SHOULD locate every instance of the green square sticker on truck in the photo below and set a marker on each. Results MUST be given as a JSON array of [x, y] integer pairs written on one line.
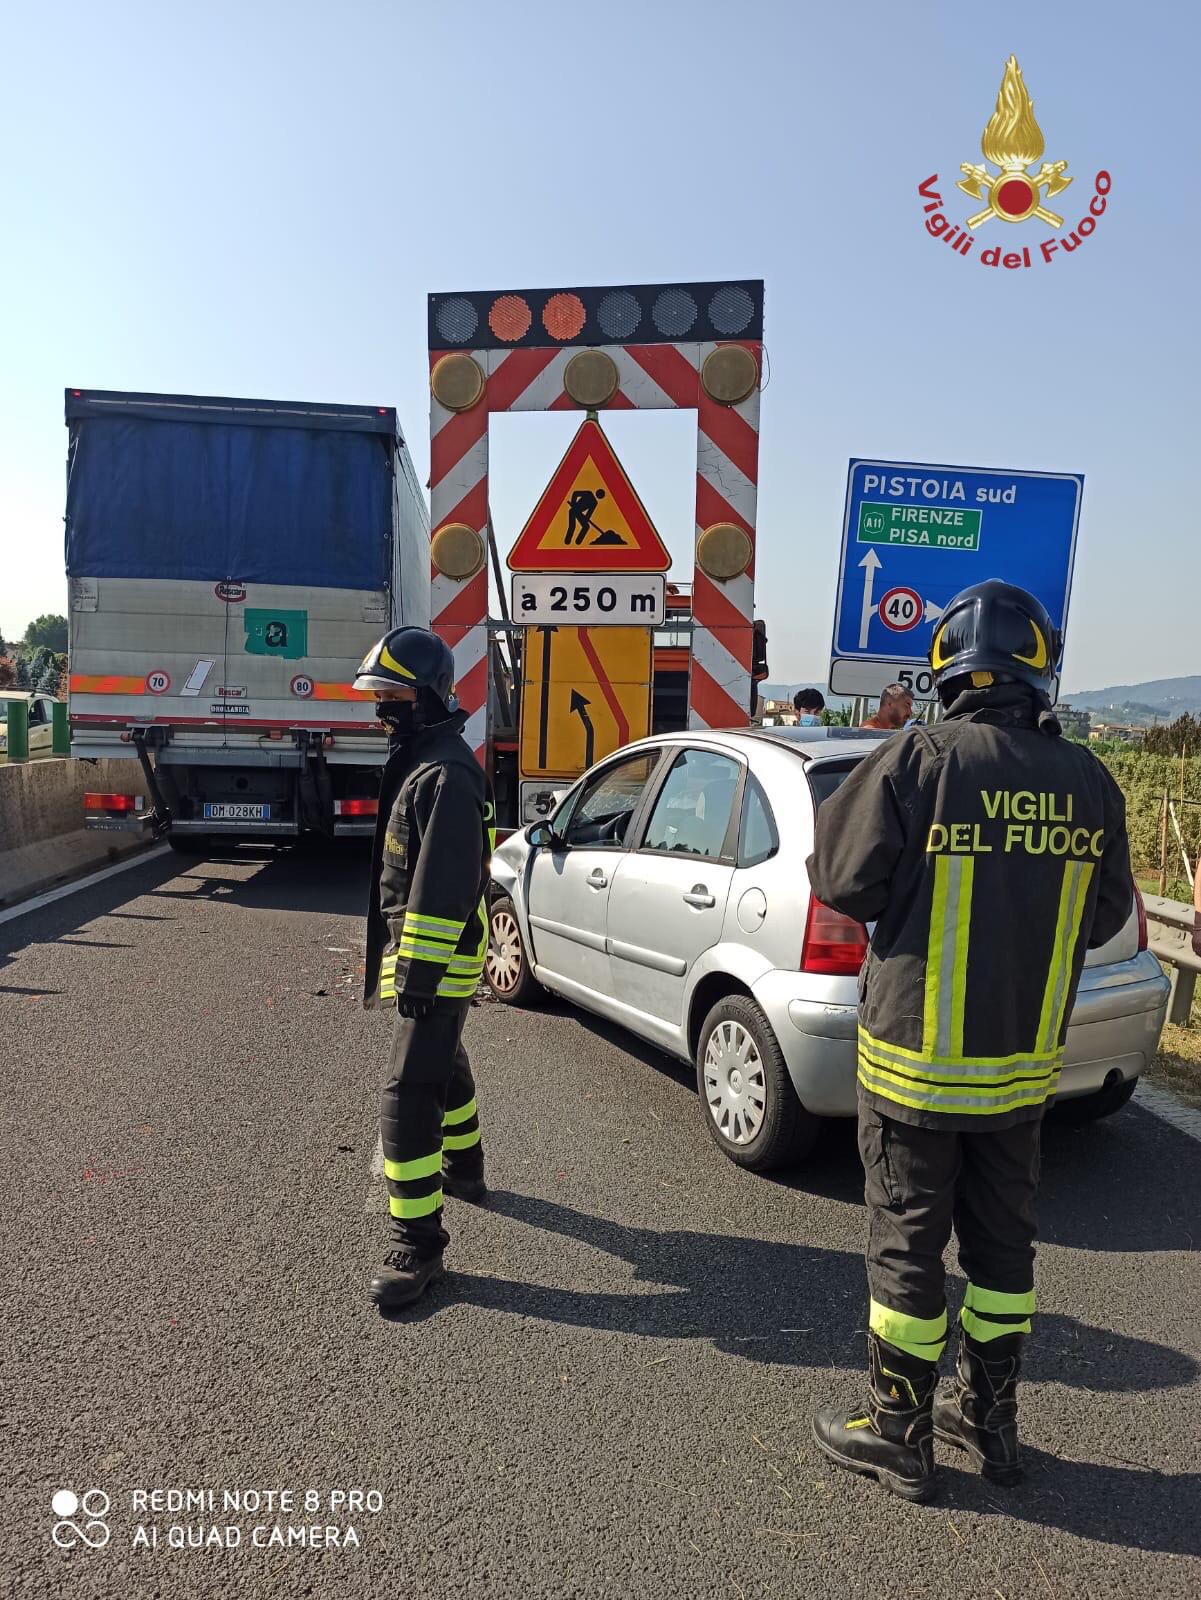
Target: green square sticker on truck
[[277, 633], [927, 527]]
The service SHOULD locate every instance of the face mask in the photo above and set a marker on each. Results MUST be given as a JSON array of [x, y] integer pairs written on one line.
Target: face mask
[[398, 716], [808, 720]]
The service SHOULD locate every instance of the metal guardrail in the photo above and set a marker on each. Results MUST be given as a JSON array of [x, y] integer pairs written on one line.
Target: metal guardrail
[[1170, 937]]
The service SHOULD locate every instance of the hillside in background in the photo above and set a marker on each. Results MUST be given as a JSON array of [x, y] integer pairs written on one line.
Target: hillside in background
[[1140, 704], [1159, 700]]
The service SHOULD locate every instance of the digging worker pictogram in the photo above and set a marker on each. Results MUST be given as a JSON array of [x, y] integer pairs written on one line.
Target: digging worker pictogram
[[991, 854], [580, 510], [427, 935]]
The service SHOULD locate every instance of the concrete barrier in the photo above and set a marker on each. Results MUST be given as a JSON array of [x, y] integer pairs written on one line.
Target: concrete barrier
[[43, 841]]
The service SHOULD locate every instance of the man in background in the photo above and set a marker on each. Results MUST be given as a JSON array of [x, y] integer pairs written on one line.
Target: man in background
[[896, 708], [758, 661], [809, 703]]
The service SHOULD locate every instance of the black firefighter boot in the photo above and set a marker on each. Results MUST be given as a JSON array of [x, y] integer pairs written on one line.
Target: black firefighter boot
[[977, 1409], [404, 1277], [890, 1438]]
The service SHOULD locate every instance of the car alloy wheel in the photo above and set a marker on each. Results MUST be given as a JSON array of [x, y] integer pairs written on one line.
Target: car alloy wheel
[[504, 959], [735, 1085]]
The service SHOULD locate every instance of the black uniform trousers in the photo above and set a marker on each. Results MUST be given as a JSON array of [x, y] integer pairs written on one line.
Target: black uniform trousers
[[921, 1182], [428, 1120]]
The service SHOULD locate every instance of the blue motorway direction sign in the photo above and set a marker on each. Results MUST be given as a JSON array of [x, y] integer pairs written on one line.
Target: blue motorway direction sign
[[915, 534]]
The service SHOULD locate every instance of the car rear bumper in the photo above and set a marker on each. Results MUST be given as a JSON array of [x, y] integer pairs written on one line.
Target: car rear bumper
[[1115, 1026]]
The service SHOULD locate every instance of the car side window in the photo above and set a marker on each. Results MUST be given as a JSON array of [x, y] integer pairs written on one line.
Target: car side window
[[758, 839], [607, 802], [692, 814], [37, 713]]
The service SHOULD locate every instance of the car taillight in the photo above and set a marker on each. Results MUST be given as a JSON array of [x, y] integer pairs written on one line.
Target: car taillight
[[833, 943], [1141, 912], [112, 802], [356, 808]]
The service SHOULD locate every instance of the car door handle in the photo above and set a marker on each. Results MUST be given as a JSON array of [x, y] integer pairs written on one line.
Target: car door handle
[[699, 895], [597, 879]]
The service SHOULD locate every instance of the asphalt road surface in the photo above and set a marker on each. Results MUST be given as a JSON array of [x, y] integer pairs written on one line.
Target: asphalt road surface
[[611, 1392]]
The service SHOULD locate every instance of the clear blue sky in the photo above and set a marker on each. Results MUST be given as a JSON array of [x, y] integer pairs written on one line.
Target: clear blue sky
[[255, 199]]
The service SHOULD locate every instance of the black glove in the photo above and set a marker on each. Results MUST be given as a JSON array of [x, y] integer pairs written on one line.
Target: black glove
[[415, 1007]]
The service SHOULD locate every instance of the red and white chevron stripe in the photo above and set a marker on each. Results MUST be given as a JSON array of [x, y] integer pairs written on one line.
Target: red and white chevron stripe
[[651, 377]]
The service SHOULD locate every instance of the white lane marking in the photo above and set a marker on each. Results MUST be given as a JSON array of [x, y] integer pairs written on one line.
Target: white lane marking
[[82, 883], [1161, 1103], [377, 1193]]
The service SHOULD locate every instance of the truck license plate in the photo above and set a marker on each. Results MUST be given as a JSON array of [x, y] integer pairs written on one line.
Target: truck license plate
[[236, 811]]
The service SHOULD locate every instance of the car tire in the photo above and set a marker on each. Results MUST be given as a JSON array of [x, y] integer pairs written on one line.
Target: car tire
[[747, 1099], [1092, 1107], [507, 965], [190, 844]]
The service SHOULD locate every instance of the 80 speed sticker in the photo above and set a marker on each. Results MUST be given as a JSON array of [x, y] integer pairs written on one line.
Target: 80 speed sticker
[[302, 685]]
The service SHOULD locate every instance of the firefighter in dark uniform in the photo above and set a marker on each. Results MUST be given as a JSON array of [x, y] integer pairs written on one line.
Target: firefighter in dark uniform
[[991, 854], [427, 934]]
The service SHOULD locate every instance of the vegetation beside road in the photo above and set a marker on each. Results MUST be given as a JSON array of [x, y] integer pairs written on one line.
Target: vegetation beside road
[[1143, 777], [37, 663]]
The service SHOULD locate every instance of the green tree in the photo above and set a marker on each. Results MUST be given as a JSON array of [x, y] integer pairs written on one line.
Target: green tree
[[22, 679], [50, 679], [1182, 737], [38, 662], [47, 632], [7, 673]]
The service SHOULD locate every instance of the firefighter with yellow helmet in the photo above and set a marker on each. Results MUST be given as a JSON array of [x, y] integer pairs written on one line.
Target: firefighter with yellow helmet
[[990, 854], [427, 935]]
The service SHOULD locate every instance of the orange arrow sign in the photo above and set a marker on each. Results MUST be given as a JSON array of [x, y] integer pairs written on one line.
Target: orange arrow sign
[[589, 518]]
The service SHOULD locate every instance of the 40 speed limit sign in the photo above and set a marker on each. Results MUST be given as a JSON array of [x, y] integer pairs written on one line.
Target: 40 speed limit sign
[[902, 609]]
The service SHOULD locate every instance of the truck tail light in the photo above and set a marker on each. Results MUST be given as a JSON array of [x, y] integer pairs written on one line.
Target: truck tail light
[[356, 808], [1141, 912], [834, 944], [113, 802]]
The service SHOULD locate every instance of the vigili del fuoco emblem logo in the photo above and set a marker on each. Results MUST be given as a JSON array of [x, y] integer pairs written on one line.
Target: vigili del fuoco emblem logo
[[1012, 143]]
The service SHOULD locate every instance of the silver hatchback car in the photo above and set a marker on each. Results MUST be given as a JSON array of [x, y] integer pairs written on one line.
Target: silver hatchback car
[[668, 893]]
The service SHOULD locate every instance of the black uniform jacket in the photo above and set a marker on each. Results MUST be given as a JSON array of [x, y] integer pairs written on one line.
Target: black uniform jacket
[[427, 924], [990, 855]]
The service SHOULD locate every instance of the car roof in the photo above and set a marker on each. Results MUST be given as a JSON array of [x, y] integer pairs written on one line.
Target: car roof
[[809, 743], [815, 742]]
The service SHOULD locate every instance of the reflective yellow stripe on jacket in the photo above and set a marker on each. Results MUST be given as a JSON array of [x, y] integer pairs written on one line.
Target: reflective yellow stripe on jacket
[[940, 1076], [436, 940]]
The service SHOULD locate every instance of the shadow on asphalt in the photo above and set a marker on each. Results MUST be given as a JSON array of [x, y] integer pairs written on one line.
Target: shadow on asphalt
[[749, 1297], [55, 922], [1138, 1508], [330, 878], [1128, 1183]]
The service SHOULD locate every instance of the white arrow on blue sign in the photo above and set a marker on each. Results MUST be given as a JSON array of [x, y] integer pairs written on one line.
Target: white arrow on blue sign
[[915, 534]]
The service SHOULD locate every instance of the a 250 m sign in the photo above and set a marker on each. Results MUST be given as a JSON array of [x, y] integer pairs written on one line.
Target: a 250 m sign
[[591, 599]]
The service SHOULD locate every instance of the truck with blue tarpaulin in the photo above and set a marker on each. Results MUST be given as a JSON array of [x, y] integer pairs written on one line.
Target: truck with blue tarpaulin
[[229, 564]]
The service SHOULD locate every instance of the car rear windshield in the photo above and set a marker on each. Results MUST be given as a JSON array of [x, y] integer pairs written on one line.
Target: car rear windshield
[[825, 776]]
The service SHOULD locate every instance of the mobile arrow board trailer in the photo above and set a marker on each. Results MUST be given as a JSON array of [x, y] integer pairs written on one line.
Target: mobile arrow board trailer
[[229, 564], [914, 535]]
